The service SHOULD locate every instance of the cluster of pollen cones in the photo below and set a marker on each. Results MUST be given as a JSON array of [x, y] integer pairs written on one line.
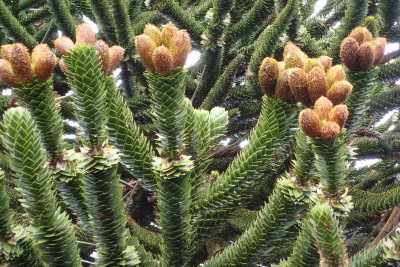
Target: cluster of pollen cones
[[18, 67], [299, 78], [162, 51], [110, 56], [359, 51], [325, 120]]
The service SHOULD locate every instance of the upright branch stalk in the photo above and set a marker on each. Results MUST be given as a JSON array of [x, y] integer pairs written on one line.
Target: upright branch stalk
[[357, 102], [330, 161], [52, 229], [173, 189]]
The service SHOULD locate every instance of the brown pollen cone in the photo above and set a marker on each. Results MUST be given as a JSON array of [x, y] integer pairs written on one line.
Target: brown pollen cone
[[102, 49], [366, 55], [168, 31], [113, 58], [317, 85], [334, 74], [349, 53], [145, 47], [322, 107], [309, 122], [180, 47], [153, 32], [63, 44], [6, 74], [339, 115], [43, 62], [292, 48], [21, 64], [268, 75], [85, 34], [298, 86], [339, 91], [330, 131], [361, 35], [163, 60], [294, 60], [312, 63], [380, 44], [282, 90], [326, 62]]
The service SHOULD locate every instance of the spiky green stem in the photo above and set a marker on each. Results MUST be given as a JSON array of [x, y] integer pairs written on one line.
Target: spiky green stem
[[52, 229]]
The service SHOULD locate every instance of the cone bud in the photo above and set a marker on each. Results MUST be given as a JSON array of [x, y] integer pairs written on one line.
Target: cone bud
[[62, 65], [312, 63], [43, 62], [334, 74], [268, 75], [163, 60], [330, 131], [85, 35], [167, 33], [113, 58], [6, 51], [145, 47], [361, 35], [339, 115], [298, 86], [292, 48], [380, 44], [339, 91], [366, 55], [322, 107], [294, 60], [326, 62], [21, 64], [102, 49], [6, 73], [63, 44], [282, 90], [317, 84], [349, 53], [180, 47], [153, 32], [309, 122]]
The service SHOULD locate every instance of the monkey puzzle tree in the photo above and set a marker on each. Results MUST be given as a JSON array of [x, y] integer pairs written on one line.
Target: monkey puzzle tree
[[145, 181]]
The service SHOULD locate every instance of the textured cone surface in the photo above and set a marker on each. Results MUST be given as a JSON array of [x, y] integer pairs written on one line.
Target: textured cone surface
[[322, 107], [339, 91], [268, 75], [330, 131], [339, 114], [309, 122], [298, 86], [366, 56], [334, 74], [162, 60], [282, 86], [317, 85], [349, 53]]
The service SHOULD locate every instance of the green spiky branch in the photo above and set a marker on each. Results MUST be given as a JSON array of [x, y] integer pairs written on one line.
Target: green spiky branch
[[102, 10], [125, 135], [266, 231], [237, 183], [14, 28], [357, 102], [63, 18], [304, 157], [330, 161], [53, 231]]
